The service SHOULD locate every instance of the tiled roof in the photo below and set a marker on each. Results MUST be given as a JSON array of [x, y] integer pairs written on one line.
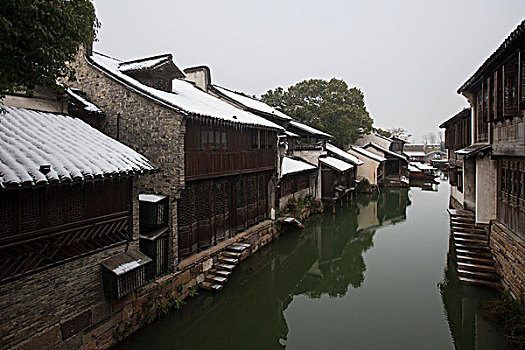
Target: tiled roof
[[308, 129], [367, 154], [252, 103], [30, 141], [345, 155], [385, 151], [507, 47]]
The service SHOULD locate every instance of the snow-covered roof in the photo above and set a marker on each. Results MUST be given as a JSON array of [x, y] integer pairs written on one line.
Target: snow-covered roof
[[308, 128], [252, 103], [415, 153], [30, 141], [368, 154], [290, 134], [384, 150], [336, 164], [151, 198], [345, 155], [86, 105], [185, 98], [147, 63], [292, 166], [422, 166], [413, 168]]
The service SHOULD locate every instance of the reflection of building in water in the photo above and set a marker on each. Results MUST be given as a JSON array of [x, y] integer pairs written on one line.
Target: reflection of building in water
[[325, 258], [465, 312]]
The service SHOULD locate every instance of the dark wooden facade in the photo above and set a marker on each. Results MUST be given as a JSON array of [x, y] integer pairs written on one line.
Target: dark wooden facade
[[227, 171], [496, 93], [41, 227]]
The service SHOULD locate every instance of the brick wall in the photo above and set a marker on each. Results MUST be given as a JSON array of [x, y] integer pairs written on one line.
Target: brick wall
[[509, 253], [150, 128]]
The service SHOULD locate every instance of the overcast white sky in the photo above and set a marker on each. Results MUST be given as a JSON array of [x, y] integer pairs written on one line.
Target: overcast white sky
[[408, 56]]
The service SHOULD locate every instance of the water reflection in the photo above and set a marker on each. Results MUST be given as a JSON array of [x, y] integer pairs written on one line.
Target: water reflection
[[328, 285], [324, 258]]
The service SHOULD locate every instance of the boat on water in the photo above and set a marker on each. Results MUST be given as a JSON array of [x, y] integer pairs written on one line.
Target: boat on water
[[421, 171]]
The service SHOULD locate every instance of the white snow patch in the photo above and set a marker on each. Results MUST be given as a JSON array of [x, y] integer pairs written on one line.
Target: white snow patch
[[291, 166], [336, 163]]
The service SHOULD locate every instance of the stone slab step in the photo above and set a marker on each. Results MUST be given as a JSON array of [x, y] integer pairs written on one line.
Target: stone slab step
[[470, 247], [478, 275], [230, 261], [223, 273], [226, 267], [473, 252], [228, 254], [471, 242], [491, 284], [455, 212], [236, 248], [486, 261], [216, 279], [211, 286], [475, 267], [462, 221], [470, 236]]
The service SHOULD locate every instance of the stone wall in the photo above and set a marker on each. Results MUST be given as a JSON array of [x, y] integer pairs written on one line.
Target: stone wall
[[69, 312], [509, 253], [150, 128]]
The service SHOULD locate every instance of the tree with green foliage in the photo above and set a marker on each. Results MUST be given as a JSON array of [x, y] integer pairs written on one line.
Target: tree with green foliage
[[39, 37], [330, 106]]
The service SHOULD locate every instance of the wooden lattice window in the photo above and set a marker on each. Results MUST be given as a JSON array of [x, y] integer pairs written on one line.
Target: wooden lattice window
[[31, 210], [262, 189], [510, 92], [204, 203], [183, 208], [239, 193], [7, 214], [250, 189], [194, 205], [219, 198], [55, 206]]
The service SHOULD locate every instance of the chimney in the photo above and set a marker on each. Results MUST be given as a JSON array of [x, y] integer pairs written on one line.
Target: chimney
[[200, 76]]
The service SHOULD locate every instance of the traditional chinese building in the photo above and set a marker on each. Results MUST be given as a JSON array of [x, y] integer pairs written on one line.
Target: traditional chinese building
[[216, 160], [68, 204], [494, 160]]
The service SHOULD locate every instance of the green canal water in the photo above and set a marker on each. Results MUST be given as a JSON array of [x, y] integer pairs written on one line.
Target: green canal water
[[377, 275]]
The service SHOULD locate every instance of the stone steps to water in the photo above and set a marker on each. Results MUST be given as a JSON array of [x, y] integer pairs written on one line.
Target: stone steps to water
[[475, 267], [475, 281], [474, 259], [214, 287]]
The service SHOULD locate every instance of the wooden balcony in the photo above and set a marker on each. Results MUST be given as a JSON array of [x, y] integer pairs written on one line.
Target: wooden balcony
[[201, 164]]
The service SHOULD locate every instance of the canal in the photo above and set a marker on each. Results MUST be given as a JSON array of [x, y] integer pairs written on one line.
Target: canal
[[376, 275]]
